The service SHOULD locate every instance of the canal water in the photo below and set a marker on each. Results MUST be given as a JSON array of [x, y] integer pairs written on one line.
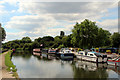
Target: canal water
[[31, 66]]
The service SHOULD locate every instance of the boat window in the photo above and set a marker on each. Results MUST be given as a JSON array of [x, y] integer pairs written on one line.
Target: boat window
[[81, 53], [91, 54], [52, 51], [97, 54]]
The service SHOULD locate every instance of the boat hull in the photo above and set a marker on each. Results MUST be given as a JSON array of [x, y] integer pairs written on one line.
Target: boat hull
[[67, 56], [91, 59]]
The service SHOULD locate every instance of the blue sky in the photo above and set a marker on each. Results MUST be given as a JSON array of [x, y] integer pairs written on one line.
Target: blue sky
[[41, 19]]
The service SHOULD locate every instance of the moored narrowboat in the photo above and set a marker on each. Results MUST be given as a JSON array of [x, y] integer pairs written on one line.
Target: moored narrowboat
[[37, 50]]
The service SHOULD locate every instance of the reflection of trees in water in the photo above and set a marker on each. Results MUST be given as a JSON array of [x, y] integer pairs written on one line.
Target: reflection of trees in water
[[23, 54], [42, 58], [80, 72]]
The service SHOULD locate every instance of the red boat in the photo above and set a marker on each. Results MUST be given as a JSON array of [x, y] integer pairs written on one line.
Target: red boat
[[115, 61]]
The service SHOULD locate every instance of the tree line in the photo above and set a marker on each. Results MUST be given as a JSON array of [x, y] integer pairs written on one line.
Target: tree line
[[84, 35]]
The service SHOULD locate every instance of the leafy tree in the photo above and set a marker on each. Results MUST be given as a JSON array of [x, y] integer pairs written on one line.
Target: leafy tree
[[103, 38], [2, 33], [16, 46], [58, 40], [35, 44], [84, 34], [115, 39], [66, 40], [26, 40], [27, 46], [46, 40], [38, 39]]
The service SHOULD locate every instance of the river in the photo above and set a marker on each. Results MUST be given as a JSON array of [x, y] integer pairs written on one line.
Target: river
[[31, 66]]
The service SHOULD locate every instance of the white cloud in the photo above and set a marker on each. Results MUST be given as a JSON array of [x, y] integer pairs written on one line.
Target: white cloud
[[2, 11], [63, 7], [109, 24], [50, 18], [30, 22], [13, 36], [35, 26]]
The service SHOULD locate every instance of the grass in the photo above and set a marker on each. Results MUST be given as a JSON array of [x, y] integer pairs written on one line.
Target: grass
[[9, 64]]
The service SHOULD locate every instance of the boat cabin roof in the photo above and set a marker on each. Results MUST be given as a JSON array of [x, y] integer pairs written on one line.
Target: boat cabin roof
[[96, 53]]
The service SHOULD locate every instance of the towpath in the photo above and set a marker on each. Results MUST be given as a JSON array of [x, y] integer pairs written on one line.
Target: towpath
[[3, 72]]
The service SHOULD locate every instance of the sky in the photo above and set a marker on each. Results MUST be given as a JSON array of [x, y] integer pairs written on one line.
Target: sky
[[38, 18]]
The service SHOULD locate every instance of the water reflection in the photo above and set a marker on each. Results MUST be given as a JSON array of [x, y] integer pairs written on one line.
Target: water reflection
[[50, 66], [83, 69]]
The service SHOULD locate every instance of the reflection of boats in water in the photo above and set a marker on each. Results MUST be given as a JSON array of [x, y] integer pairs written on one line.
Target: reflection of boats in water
[[37, 54], [115, 69], [89, 66], [84, 69], [44, 55], [91, 56], [37, 50], [114, 61]]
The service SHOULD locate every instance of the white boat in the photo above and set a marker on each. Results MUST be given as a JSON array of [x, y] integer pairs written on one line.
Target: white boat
[[91, 56], [65, 53], [65, 50]]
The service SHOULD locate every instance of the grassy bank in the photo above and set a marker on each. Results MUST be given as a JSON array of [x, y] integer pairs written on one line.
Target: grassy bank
[[9, 64]]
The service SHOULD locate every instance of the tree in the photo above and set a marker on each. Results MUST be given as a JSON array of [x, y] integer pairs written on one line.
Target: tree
[[38, 39], [2, 33], [66, 41], [62, 33], [46, 41], [84, 34], [27, 46], [35, 44], [103, 38], [115, 39], [26, 40]]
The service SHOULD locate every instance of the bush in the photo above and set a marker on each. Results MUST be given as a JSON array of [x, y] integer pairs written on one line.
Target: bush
[[4, 50]]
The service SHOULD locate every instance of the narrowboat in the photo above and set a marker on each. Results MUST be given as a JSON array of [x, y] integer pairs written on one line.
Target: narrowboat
[[114, 61], [37, 50], [91, 56]]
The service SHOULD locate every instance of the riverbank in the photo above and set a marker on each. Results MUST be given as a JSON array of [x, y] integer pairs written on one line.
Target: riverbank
[[5, 66]]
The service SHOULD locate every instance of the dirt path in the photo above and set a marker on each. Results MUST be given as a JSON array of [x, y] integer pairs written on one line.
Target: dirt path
[[3, 72]]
